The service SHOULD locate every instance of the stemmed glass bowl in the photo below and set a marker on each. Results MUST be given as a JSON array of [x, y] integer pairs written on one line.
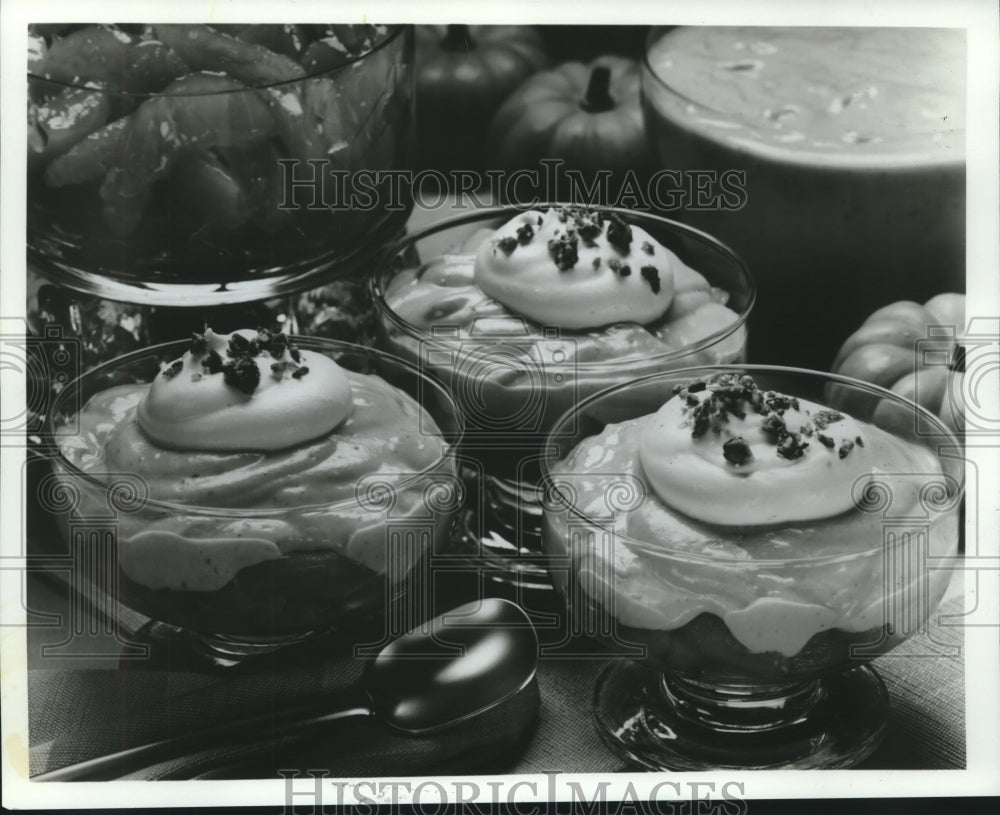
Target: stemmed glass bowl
[[237, 579], [748, 646], [514, 380]]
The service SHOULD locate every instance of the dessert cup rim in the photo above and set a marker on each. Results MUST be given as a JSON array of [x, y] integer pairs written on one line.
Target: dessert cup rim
[[816, 159], [452, 441], [394, 31], [377, 289], [551, 446]]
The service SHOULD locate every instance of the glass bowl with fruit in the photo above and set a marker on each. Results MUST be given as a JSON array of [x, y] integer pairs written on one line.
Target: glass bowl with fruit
[[745, 551], [195, 164]]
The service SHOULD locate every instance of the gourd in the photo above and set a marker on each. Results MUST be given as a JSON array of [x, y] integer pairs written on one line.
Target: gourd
[[912, 350]]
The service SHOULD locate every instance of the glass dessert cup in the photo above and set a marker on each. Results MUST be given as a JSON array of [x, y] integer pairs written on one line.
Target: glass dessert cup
[[255, 573], [172, 190], [513, 381], [747, 646], [869, 214]]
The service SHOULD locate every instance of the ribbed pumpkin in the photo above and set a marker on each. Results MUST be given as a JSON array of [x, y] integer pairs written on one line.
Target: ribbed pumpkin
[[587, 115], [885, 351]]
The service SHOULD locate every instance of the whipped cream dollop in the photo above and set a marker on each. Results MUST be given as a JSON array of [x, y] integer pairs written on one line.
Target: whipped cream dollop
[[249, 390], [576, 268], [726, 452]]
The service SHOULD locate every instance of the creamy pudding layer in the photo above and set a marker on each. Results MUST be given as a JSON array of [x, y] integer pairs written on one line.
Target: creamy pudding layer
[[816, 564], [378, 432], [843, 95], [612, 291]]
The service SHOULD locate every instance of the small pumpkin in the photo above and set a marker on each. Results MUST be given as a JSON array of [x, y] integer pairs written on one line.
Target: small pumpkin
[[463, 73], [898, 348], [587, 115]]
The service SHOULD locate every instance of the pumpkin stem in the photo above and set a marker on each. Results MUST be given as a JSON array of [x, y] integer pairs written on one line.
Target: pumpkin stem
[[457, 38], [597, 99]]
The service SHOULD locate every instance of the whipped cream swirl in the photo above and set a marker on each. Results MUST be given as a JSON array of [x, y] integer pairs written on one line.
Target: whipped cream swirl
[[577, 269], [725, 452], [249, 390]]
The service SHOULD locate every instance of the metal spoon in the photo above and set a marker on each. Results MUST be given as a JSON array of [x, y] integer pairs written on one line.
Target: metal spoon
[[457, 666]]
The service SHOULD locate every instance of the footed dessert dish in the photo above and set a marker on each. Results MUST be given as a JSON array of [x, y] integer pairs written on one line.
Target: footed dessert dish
[[262, 487], [207, 164], [524, 312], [751, 549], [852, 146]]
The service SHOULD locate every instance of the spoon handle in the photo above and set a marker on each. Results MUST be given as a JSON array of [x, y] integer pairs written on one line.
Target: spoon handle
[[351, 703]]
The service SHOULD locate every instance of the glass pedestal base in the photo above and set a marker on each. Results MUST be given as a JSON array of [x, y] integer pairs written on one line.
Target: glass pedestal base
[[660, 722], [180, 649], [499, 531]]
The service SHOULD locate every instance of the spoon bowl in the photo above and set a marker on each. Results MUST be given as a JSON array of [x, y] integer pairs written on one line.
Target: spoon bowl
[[460, 665], [456, 666]]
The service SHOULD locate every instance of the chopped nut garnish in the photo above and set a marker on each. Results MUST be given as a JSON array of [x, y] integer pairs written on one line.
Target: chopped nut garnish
[[825, 440], [294, 353], [845, 448], [859, 441], [589, 224], [212, 362], [300, 372], [792, 446], [647, 247], [774, 425], [241, 346], [199, 344], [651, 276], [597, 263], [728, 395], [619, 233], [242, 373], [275, 345], [736, 450], [173, 369], [779, 402], [525, 234], [507, 245], [619, 268], [825, 418], [563, 252]]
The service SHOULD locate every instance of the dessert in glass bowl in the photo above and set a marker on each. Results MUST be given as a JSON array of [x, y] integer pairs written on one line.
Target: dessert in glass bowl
[[161, 157], [852, 141], [266, 487], [522, 312], [750, 549]]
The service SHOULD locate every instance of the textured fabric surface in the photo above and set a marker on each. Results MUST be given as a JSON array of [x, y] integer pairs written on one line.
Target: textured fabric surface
[[77, 713]]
